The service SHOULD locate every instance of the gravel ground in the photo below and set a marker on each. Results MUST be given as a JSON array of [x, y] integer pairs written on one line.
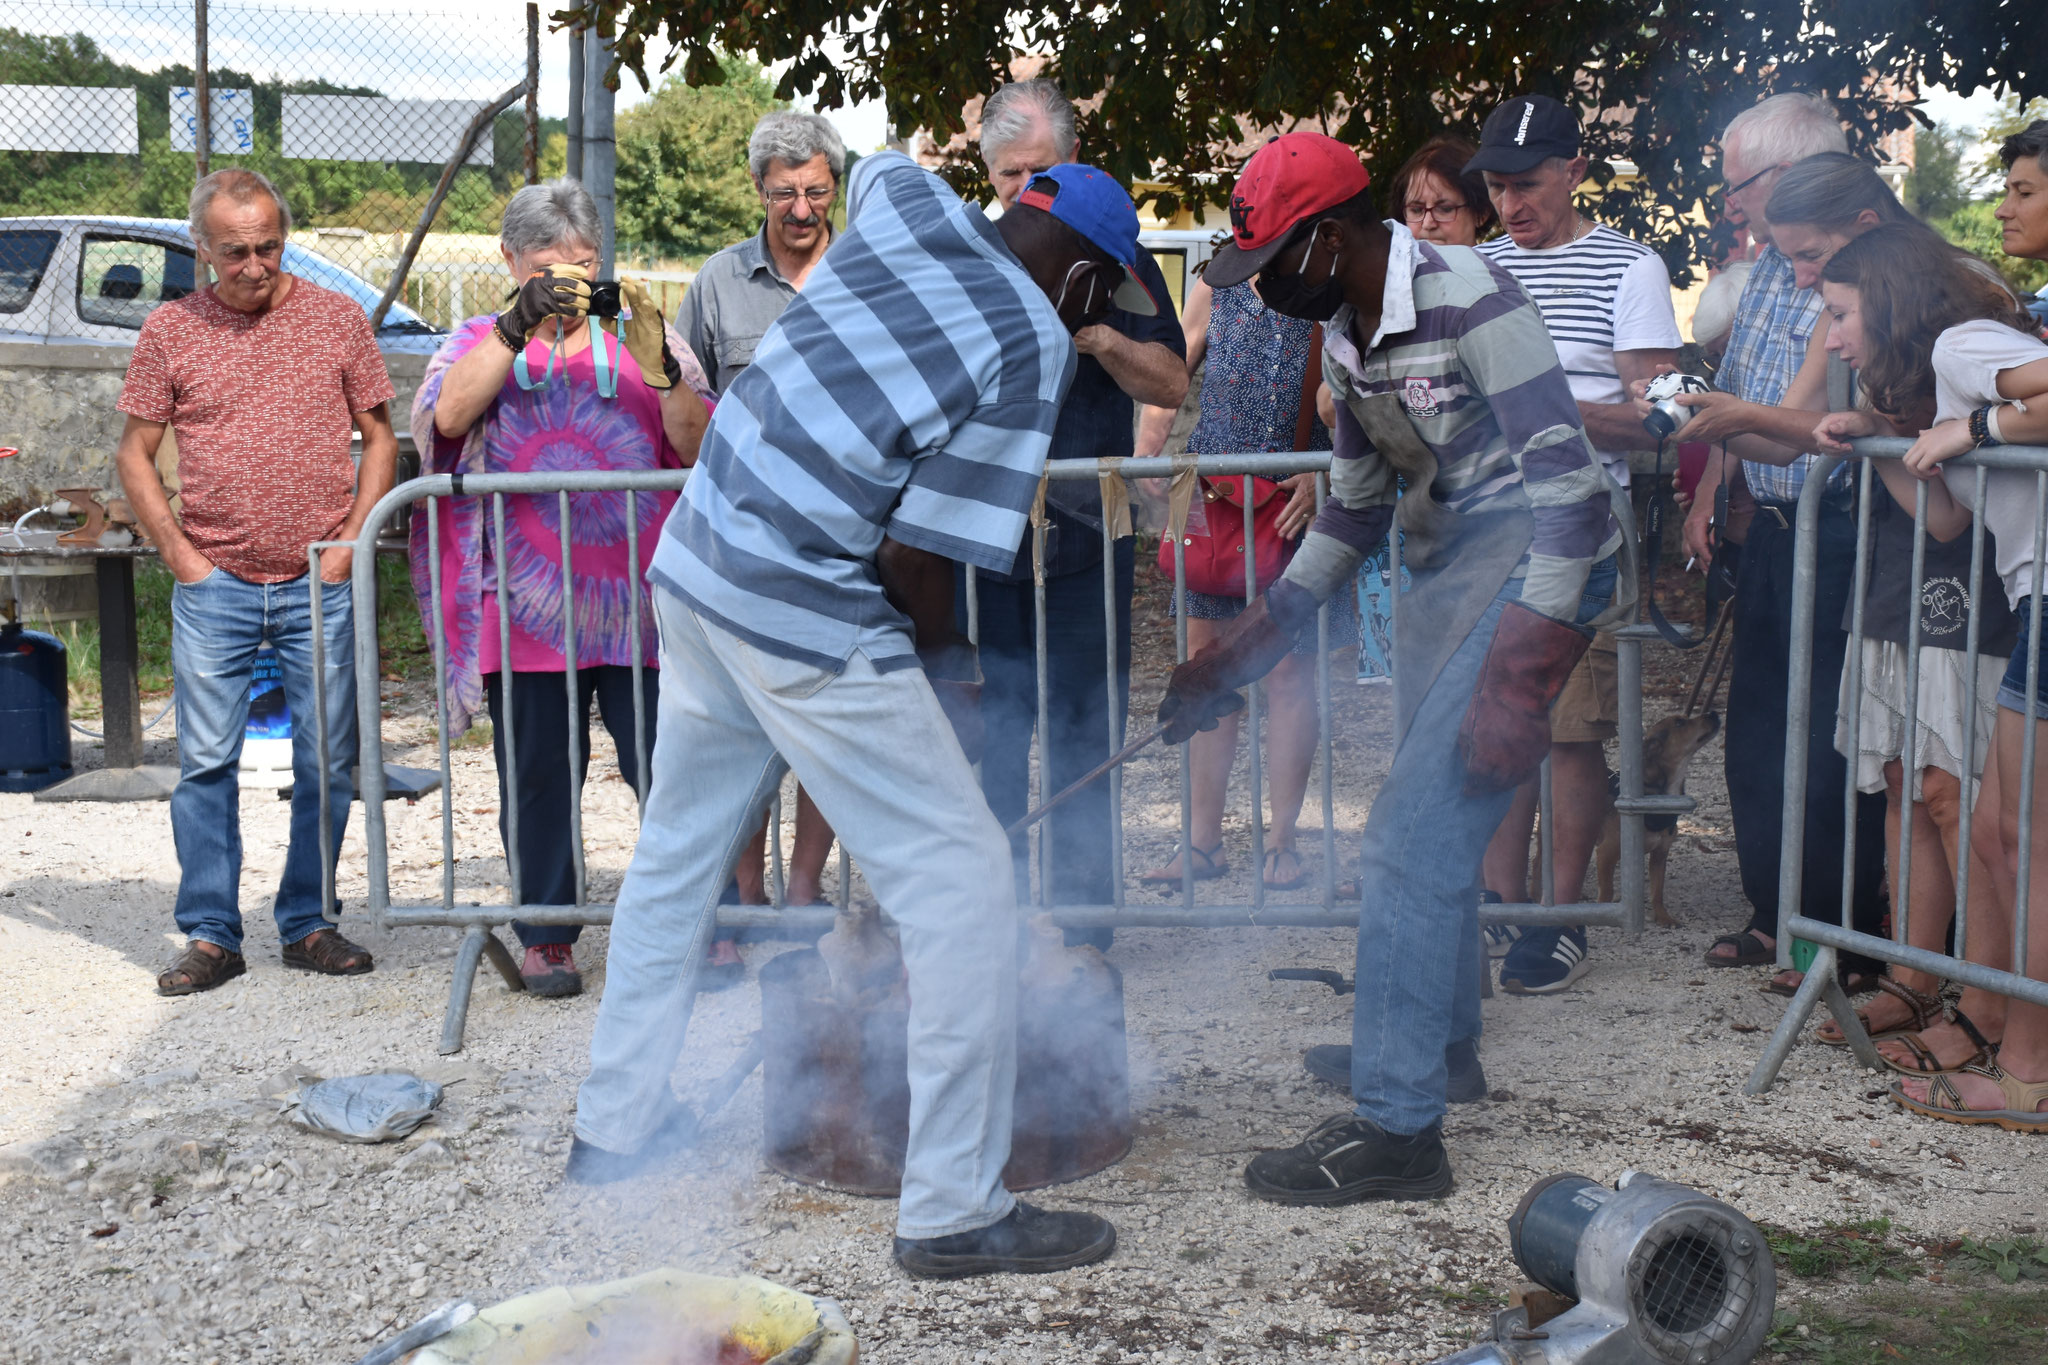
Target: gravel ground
[[155, 1206]]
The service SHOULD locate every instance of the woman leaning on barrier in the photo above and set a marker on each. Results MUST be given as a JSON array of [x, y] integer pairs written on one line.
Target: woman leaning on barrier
[[542, 389], [1912, 325], [1257, 395]]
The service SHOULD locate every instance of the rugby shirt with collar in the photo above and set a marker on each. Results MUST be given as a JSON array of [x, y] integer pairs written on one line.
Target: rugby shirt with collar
[[909, 391], [1479, 377]]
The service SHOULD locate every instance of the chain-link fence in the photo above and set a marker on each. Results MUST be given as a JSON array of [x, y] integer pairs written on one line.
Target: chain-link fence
[[355, 112]]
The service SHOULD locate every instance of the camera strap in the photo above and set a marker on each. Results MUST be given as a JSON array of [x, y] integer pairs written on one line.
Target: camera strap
[[606, 367], [1653, 541]]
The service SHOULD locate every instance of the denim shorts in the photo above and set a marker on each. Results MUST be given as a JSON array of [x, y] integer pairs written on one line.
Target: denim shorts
[[2012, 691]]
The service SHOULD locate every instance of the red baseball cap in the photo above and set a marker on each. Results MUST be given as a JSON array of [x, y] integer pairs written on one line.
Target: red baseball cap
[[1295, 176]]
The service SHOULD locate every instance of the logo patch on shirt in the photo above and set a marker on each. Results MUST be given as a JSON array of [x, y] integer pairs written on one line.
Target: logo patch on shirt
[[1420, 398]]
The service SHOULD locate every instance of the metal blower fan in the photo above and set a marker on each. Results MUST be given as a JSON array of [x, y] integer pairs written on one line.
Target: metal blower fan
[[1663, 1275]]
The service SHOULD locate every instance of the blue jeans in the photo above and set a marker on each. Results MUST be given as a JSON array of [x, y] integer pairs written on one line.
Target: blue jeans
[[878, 756], [1418, 928], [216, 626]]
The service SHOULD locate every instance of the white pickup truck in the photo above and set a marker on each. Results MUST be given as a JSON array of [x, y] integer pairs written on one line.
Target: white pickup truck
[[92, 280]]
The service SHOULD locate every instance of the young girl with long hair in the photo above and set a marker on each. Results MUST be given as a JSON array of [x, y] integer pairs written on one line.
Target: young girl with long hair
[[1925, 329]]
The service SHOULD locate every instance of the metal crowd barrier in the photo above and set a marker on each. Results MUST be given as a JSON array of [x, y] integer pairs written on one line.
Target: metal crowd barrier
[[1968, 965], [1324, 908]]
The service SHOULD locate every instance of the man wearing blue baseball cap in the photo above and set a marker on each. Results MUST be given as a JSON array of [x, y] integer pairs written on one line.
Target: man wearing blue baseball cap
[[894, 419], [1137, 354]]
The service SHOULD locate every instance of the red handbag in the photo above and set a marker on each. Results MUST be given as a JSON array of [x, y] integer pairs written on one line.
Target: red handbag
[[1215, 561]]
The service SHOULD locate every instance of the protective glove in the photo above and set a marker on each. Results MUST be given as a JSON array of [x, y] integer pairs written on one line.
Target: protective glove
[[643, 336], [560, 291], [1507, 726], [1204, 689]]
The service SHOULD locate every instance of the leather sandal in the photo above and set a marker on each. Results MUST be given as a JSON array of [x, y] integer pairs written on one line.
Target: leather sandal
[[325, 951], [1926, 1063], [197, 970], [2022, 1112], [1925, 1010], [1209, 865]]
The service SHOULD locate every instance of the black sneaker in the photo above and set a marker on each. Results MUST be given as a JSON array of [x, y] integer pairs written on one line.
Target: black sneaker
[[1331, 1062], [1346, 1160], [1547, 960], [1029, 1241], [590, 1164]]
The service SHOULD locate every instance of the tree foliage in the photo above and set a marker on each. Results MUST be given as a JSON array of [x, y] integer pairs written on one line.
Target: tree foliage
[[1182, 84], [683, 186], [1941, 180]]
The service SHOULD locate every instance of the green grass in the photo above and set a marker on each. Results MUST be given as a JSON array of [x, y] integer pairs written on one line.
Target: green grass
[[406, 656], [1989, 1326], [1863, 1251]]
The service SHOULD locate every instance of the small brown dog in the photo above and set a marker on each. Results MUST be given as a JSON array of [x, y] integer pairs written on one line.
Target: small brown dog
[[1668, 749]]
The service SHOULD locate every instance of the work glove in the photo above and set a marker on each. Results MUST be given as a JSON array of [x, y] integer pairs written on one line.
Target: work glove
[[560, 291], [954, 670], [1204, 689], [643, 336], [1507, 726]]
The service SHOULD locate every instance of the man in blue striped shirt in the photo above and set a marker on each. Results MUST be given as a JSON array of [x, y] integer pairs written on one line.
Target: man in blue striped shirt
[[1442, 372], [894, 419]]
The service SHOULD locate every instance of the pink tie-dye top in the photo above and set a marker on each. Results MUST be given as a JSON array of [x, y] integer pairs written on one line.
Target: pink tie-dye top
[[564, 425]]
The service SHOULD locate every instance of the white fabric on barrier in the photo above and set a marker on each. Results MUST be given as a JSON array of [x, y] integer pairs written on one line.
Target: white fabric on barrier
[[365, 128], [232, 115], [68, 118]]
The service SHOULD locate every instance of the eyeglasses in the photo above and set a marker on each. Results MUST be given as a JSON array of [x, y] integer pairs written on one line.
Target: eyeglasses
[[816, 196], [1444, 211], [1737, 189]]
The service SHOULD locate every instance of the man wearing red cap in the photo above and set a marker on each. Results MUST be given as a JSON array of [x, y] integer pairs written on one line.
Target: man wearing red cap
[[1443, 373]]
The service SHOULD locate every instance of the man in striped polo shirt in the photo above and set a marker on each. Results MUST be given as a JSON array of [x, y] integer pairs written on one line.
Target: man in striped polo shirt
[[895, 418], [1607, 303], [1443, 373]]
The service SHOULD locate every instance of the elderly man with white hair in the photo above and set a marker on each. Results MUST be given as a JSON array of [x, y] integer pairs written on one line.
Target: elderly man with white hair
[[1773, 322], [797, 162], [1028, 127], [264, 376]]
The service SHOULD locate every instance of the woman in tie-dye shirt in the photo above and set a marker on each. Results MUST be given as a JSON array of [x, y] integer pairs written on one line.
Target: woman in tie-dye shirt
[[559, 405]]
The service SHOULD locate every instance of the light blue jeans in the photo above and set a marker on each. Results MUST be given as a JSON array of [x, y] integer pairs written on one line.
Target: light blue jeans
[[1418, 929], [216, 625], [878, 756]]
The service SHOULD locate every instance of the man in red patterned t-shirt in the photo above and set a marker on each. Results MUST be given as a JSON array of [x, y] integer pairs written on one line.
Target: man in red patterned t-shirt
[[264, 376]]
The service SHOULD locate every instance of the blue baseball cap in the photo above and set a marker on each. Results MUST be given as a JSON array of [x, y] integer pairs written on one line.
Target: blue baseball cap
[[1092, 204]]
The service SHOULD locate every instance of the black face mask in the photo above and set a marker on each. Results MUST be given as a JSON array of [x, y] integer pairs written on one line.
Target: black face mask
[[1292, 296]]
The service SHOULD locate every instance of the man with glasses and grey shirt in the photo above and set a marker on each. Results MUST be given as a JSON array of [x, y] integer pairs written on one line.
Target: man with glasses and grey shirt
[[797, 161]]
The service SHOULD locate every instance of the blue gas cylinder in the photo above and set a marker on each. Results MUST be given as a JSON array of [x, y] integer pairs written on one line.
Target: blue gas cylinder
[[35, 712]]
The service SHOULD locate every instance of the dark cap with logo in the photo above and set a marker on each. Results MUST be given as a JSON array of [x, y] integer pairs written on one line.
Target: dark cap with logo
[[1525, 132]]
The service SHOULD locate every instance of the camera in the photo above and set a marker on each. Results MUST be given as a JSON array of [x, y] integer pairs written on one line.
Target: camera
[[1667, 416], [604, 294]]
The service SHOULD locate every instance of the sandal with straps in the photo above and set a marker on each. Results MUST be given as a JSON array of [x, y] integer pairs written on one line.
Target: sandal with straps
[[197, 970], [1926, 1063], [2022, 1113], [1209, 865], [1925, 1010]]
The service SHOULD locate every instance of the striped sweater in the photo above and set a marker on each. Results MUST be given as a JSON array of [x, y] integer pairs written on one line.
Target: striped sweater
[[1479, 376]]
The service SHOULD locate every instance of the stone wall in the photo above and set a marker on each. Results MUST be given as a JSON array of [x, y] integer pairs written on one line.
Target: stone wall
[[58, 409]]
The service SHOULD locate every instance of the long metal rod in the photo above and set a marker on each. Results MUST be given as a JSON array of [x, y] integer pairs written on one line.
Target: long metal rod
[[1799, 698], [202, 96], [1043, 675], [1324, 738], [1113, 705], [572, 659], [2031, 734], [1254, 695], [330, 907], [633, 609], [438, 639], [1187, 788], [1973, 639], [513, 861], [1852, 676], [1909, 771], [1107, 766], [809, 919]]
